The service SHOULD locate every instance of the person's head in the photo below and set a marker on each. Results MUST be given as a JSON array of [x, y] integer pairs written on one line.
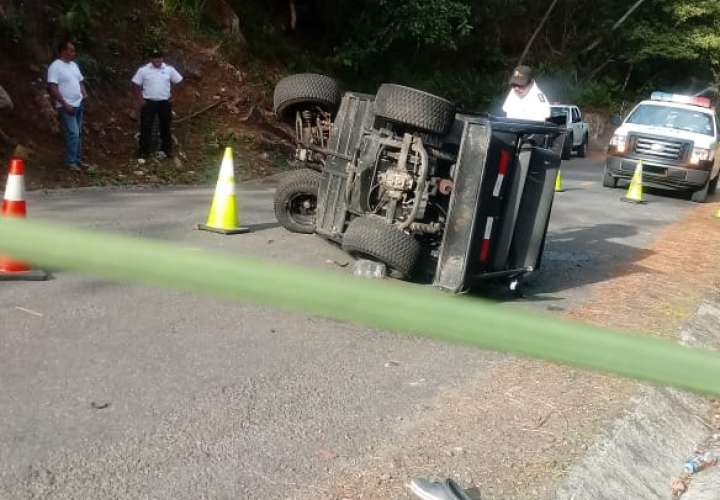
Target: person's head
[[66, 50], [522, 80], [156, 58]]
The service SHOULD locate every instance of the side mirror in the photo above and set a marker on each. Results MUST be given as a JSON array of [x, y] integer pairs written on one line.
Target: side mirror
[[616, 120]]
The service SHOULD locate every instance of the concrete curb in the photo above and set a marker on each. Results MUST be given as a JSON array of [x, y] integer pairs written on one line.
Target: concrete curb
[[645, 449]]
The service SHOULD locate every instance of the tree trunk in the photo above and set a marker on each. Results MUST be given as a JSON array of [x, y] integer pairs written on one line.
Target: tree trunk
[[293, 15], [537, 32]]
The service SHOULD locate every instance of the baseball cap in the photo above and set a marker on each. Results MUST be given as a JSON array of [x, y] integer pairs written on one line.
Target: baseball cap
[[522, 75], [156, 53]]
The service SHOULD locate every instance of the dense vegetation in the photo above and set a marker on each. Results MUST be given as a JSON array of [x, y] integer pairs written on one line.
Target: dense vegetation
[[600, 54]]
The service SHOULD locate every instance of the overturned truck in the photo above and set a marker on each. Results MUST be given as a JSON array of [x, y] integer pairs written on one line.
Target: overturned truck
[[403, 178]]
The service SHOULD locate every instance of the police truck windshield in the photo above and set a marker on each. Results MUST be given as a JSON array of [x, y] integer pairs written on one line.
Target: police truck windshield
[[671, 117]]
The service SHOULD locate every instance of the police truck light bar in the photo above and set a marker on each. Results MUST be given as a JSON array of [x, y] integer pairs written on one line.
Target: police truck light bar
[[681, 99]]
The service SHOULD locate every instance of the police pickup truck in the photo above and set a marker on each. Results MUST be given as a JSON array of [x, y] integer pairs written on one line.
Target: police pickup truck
[[676, 137]]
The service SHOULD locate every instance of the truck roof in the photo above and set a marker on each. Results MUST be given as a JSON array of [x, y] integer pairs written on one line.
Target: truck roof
[[667, 104]]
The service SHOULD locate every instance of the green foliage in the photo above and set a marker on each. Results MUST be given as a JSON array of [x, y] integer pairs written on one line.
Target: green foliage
[[155, 37], [417, 24], [192, 10], [11, 30]]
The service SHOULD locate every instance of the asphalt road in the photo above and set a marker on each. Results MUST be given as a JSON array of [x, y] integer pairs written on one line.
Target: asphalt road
[[116, 391]]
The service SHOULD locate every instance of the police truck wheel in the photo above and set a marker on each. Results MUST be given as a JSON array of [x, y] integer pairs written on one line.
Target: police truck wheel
[[414, 108], [608, 180], [713, 184], [582, 149], [372, 237], [700, 196], [295, 201], [303, 91], [567, 147]]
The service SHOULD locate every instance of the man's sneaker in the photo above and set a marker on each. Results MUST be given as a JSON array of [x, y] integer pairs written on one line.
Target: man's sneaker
[[74, 167]]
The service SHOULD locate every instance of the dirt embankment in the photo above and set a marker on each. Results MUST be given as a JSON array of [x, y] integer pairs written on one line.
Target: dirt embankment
[[224, 100]]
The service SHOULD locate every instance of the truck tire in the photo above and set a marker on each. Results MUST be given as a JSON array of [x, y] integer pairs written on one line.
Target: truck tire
[[567, 147], [608, 180], [700, 196], [714, 184], [295, 201], [414, 108], [372, 237], [582, 148], [303, 90]]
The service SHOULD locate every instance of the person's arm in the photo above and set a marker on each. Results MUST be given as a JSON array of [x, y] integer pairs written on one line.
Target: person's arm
[[175, 79], [55, 90], [137, 83]]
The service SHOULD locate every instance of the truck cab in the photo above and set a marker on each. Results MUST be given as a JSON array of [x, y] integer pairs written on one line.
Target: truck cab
[[676, 138]]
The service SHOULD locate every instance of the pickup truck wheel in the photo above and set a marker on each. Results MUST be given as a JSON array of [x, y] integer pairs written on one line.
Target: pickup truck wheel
[[700, 196], [295, 201], [608, 180], [714, 184], [567, 147], [414, 108], [582, 148], [373, 237], [305, 90]]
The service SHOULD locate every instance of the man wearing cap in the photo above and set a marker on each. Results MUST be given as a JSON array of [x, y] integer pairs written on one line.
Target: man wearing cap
[[525, 100], [153, 88]]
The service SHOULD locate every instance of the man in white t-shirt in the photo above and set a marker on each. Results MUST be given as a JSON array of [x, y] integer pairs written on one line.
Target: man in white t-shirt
[[153, 84], [525, 100], [68, 92]]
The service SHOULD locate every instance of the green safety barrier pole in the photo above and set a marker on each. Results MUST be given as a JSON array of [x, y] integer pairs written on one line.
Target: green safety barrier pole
[[388, 305]]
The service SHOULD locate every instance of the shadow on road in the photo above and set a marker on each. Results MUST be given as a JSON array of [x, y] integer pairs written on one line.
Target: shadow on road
[[575, 258]]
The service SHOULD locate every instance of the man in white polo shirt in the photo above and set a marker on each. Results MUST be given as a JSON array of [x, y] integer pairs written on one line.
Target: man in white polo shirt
[[153, 87], [526, 101], [68, 92]]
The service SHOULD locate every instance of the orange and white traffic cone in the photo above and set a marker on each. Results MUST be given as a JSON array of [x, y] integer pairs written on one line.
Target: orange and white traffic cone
[[14, 206]]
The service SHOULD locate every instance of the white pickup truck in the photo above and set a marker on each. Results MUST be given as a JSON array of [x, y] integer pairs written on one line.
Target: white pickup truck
[[677, 139], [578, 131]]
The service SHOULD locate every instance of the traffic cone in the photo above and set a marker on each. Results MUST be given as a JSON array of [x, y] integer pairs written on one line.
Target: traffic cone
[[223, 216], [14, 206], [558, 183], [635, 191]]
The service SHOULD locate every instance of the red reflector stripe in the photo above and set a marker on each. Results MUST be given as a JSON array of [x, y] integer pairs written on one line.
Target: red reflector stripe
[[485, 247], [485, 251], [504, 162]]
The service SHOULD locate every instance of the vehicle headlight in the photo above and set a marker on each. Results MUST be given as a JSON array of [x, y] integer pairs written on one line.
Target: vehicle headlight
[[701, 154], [618, 142]]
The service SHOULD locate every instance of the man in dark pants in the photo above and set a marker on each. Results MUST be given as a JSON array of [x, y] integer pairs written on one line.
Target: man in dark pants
[[153, 84]]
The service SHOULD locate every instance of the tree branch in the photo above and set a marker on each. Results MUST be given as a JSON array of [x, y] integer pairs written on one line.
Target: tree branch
[[537, 31]]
